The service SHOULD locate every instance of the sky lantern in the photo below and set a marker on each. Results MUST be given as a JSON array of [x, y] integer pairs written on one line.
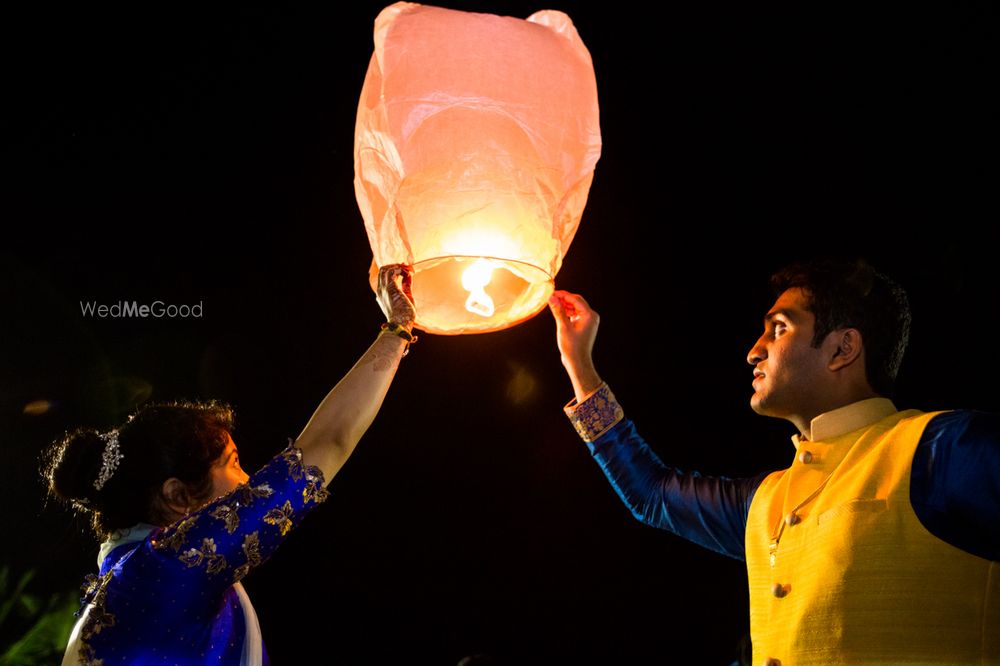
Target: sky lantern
[[475, 146]]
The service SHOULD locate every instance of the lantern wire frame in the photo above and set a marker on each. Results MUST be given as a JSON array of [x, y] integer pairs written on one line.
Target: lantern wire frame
[[518, 291]]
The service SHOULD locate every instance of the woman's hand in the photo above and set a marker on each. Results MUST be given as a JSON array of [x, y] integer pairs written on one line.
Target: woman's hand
[[576, 330], [395, 296]]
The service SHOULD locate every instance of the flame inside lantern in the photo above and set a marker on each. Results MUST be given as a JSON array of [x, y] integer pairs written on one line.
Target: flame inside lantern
[[474, 280]]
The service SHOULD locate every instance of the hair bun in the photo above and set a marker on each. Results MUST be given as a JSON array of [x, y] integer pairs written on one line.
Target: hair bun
[[74, 464]]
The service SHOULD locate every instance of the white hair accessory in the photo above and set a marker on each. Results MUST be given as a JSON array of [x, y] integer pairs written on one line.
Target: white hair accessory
[[109, 459]]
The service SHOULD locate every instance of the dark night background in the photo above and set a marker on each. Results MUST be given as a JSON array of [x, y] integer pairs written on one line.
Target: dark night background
[[206, 156]]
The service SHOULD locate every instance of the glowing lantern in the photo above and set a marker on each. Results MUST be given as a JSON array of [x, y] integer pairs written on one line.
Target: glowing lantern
[[475, 147]]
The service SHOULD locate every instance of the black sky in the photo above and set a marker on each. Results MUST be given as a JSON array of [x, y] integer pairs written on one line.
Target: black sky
[[207, 157]]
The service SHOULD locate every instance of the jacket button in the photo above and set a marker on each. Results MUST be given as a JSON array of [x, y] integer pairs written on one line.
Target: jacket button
[[772, 662], [805, 457], [792, 519], [779, 590]]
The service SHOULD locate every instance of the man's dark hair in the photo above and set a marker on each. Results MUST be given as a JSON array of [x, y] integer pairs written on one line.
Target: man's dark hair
[[852, 294]]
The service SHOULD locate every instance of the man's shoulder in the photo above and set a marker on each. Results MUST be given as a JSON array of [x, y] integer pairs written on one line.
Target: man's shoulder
[[963, 419], [951, 425]]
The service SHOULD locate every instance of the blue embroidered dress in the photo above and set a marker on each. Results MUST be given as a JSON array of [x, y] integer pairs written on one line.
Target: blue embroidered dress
[[172, 595]]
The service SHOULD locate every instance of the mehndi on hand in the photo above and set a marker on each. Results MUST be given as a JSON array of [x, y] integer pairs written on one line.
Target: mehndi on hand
[[395, 296]]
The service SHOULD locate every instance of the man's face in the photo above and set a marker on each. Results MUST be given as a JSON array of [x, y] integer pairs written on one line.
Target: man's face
[[788, 371]]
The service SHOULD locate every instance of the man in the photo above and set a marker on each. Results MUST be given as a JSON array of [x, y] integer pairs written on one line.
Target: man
[[880, 543]]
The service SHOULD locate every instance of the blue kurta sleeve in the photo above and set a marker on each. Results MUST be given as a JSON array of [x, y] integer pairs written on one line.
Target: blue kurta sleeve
[[226, 539], [709, 511], [955, 481]]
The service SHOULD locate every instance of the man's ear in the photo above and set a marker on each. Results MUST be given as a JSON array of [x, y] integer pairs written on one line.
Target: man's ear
[[174, 495], [847, 348]]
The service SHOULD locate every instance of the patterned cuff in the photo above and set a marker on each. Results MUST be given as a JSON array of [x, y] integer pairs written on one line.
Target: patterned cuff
[[597, 414]]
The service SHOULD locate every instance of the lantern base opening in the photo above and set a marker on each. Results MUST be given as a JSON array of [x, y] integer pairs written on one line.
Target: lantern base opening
[[442, 293]]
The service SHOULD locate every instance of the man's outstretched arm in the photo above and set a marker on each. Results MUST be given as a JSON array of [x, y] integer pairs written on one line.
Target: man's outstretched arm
[[955, 481], [709, 511]]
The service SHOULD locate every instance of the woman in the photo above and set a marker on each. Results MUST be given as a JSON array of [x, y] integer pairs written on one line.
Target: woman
[[183, 523]]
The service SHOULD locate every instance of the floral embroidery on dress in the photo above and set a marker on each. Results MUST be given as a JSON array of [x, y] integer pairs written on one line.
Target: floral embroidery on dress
[[89, 588], [193, 557], [228, 515], [251, 548], [246, 494], [281, 517], [87, 656], [95, 589], [314, 490], [293, 457], [173, 537]]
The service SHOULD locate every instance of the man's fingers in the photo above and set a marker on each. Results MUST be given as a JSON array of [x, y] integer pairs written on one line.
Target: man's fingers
[[575, 302], [561, 310], [573, 306], [556, 309]]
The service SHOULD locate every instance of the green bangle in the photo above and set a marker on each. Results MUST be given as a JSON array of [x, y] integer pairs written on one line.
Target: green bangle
[[396, 329]]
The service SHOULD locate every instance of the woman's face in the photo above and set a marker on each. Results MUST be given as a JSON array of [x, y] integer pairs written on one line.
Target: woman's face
[[226, 471]]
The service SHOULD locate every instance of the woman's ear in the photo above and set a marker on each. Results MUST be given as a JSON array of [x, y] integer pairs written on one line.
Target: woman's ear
[[175, 497]]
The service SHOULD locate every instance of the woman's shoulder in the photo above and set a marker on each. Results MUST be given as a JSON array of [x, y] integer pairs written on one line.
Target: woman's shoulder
[[228, 537]]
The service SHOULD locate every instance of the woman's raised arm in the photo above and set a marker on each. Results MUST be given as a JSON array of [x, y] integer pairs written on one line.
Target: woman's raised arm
[[350, 407]]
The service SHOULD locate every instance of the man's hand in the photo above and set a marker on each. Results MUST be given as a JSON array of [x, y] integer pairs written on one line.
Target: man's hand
[[394, 295], [576, 330]]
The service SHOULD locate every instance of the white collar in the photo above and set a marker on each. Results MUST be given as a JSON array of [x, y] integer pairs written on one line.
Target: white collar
[[137, 532], [843, 420]]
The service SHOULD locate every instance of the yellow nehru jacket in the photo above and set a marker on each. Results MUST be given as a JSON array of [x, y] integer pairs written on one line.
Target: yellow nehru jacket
[[842, 571]]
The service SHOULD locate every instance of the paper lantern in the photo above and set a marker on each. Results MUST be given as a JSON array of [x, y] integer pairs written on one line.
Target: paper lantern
[[475, 147]]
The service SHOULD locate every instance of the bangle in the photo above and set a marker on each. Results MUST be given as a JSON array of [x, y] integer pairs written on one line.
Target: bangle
[[396, 329]]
